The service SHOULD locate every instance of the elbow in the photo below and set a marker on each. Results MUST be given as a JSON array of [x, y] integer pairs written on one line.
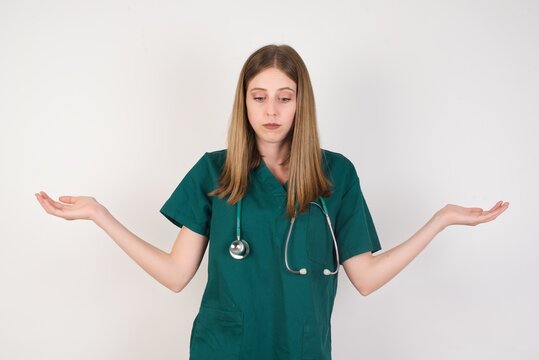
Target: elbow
[[173, 287], [178, 285], [176, 288], [363, 288], [364, 292]]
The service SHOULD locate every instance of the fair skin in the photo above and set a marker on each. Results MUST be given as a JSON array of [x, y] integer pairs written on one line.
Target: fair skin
[[271, 98], [266, 94]]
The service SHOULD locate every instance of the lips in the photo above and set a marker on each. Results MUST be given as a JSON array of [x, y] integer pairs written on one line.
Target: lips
[[271, 126]]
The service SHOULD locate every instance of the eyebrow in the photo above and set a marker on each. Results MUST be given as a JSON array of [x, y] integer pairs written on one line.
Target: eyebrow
[[283, 88]]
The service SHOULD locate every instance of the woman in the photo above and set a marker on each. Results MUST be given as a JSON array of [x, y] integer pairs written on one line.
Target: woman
[[274, 256]]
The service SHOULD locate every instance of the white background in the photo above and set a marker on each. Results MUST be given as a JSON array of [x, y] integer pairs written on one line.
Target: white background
[[435, 102]]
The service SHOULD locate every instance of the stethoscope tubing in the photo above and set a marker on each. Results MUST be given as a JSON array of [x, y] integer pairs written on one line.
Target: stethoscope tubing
[[239, 248]]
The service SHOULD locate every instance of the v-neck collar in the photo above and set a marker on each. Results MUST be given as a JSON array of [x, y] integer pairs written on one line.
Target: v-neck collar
[[272, 184]]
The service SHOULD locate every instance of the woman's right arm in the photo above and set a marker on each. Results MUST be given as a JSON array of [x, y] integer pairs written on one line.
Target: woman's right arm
[[174, 270]]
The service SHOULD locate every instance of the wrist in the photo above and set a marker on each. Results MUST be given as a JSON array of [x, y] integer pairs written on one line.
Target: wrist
[[439, 222], [100, 213]]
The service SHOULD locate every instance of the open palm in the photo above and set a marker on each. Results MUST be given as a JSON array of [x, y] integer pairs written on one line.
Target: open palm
[[459, 215], [69, 207]]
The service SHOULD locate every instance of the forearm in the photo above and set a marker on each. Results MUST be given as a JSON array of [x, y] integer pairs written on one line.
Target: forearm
[[153, 260], [388, 264]]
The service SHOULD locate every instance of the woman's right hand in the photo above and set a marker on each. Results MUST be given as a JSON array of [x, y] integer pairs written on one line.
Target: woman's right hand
[[70, 207]]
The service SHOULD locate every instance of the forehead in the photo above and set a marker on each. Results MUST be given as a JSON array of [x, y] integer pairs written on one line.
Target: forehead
[[271, 79]]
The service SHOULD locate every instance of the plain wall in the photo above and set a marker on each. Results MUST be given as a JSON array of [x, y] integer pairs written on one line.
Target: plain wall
[[435, 102]]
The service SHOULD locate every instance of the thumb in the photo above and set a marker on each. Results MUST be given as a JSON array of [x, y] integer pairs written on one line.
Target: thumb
[[68, 199]]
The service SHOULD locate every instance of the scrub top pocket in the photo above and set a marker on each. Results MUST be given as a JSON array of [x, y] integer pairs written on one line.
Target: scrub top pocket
[[217, 335], [316, 342], [320, 246]]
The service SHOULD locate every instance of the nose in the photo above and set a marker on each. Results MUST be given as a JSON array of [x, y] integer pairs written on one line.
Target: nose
[[271, 109]]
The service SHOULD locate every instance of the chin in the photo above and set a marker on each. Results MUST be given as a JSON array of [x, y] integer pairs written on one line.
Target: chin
[[272, 140]]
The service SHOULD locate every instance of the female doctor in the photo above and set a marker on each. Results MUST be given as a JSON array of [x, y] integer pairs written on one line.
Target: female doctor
[[280, 216]]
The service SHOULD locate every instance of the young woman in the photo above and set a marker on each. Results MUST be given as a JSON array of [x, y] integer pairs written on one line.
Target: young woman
[[281, 215]]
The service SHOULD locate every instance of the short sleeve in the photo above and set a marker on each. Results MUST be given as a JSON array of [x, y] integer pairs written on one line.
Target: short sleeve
[[354, 227], [189, 204]]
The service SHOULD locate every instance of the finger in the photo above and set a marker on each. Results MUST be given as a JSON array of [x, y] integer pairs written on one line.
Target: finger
[[49, 208], [44, 194], [503, 203], [500, 207], [494, 208], [40, 198], [492, 217], [54, 204], [496, 205], [493, 214], [51, 202]]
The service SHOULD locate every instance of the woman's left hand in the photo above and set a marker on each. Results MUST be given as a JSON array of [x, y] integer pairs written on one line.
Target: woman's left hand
[[458, 215]]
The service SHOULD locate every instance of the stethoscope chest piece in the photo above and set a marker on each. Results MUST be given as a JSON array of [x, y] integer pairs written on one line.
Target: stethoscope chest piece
[[239, 249]]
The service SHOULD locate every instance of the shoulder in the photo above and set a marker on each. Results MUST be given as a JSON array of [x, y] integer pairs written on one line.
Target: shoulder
[[208, 166], [215, 158], [338, 165], [336, 158]]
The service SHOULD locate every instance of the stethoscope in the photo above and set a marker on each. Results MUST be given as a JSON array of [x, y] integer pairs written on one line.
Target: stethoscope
[[239, 248]]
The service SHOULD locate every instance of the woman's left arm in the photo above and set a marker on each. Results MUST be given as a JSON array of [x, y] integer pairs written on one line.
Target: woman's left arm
[[368, 273]]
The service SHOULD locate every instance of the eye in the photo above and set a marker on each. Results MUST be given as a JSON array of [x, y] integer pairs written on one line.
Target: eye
[[258, 98], [285, 99]]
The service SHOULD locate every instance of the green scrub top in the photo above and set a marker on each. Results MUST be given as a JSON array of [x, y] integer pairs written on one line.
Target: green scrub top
[[255, 308]]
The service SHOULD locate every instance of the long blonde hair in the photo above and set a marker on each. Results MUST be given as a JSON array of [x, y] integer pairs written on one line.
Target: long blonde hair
[[306, 179]]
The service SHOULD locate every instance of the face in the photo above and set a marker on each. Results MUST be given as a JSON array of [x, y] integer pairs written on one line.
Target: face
[[271, 105]]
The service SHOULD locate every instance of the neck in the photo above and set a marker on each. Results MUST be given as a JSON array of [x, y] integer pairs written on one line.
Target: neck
[[273, 153]]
